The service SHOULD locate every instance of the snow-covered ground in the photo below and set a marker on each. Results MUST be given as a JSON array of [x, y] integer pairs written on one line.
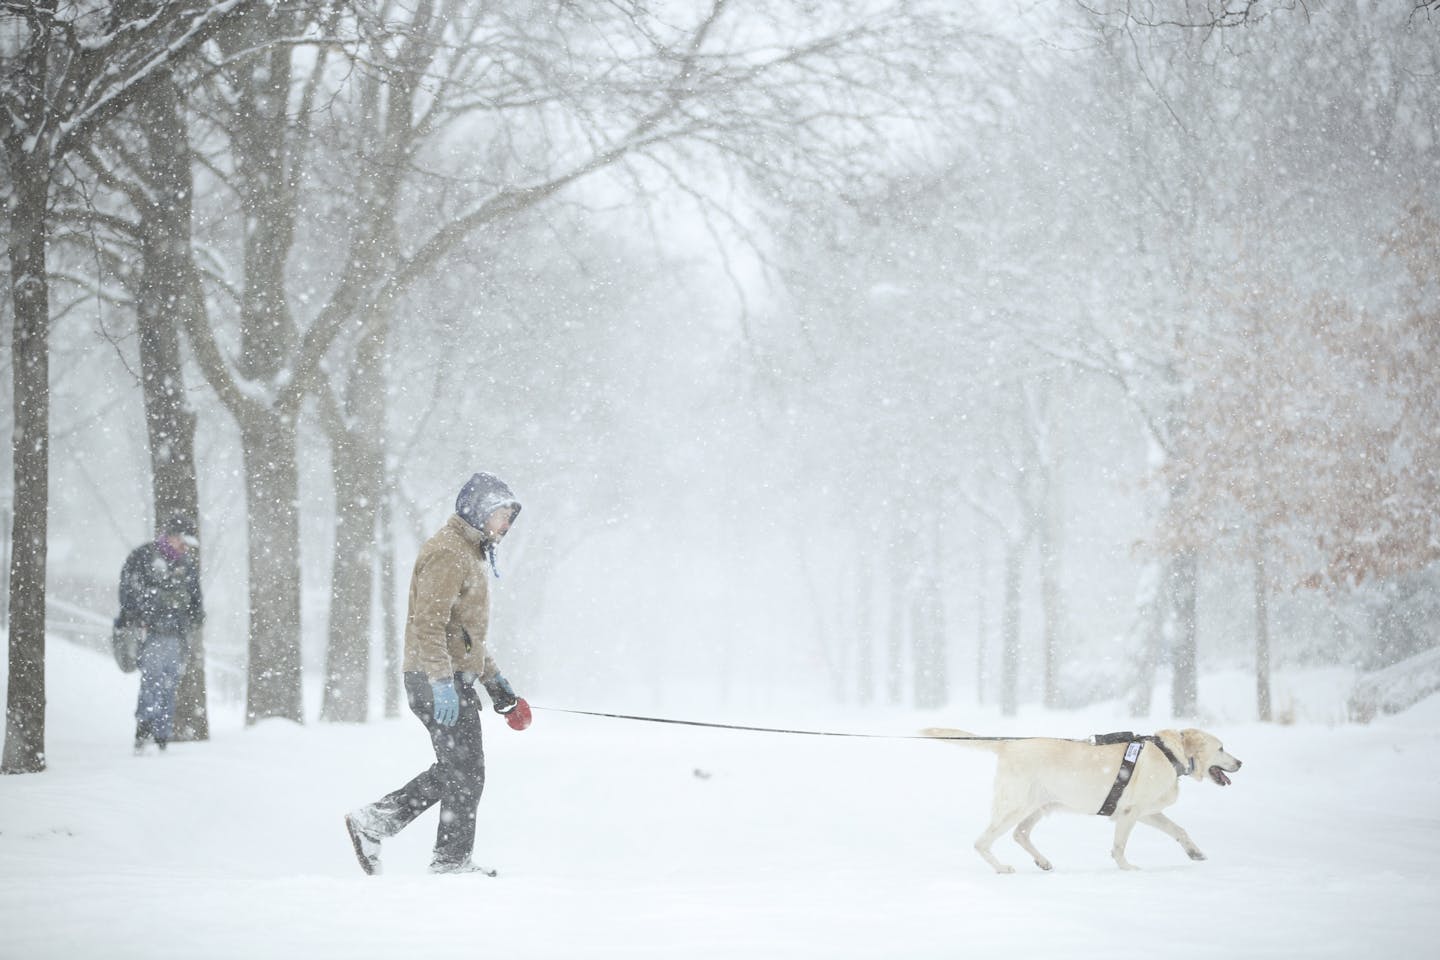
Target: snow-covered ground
[[631, 840]]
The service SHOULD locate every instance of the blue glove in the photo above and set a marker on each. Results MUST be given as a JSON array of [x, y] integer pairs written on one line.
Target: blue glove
[[447, 702]]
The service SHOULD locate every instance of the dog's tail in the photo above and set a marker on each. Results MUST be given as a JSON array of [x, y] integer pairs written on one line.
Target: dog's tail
[[963, 737]]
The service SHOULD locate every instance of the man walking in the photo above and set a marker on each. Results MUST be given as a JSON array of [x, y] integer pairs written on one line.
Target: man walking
[[445, 654], [160, 591]]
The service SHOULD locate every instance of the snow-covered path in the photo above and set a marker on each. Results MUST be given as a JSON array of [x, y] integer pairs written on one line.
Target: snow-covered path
[[634, 840]]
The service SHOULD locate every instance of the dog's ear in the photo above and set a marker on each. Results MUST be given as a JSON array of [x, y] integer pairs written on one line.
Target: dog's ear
[[1198, 747]]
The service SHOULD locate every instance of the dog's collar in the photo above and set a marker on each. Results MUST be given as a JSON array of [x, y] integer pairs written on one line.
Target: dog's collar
[[1181, 769]]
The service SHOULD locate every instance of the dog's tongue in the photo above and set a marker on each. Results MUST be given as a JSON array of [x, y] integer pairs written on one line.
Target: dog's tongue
[[1219, 777]]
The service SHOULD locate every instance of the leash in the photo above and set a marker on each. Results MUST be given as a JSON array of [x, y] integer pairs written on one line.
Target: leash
[[1122, 779], [737, 726]]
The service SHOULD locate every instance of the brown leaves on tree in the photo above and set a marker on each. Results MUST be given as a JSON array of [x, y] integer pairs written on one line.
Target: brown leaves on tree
[[1314, 425]]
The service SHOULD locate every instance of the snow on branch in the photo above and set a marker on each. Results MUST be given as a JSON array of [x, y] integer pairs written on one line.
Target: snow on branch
[[120, 77]]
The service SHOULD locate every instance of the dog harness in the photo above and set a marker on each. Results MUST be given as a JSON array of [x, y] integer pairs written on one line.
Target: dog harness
[[1133, 747]]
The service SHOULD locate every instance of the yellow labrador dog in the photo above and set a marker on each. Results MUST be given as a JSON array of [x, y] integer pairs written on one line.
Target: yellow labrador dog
[[1128, 778]]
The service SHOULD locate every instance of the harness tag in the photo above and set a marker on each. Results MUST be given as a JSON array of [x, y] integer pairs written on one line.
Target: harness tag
[[1122, 778]]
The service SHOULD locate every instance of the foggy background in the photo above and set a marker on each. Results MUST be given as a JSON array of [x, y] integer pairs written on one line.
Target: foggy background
[[1035, 326]]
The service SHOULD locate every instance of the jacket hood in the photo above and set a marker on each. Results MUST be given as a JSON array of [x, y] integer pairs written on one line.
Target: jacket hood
[[482, 495]]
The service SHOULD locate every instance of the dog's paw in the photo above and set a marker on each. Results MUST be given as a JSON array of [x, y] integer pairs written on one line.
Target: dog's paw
[[1195, 854], [1045, 865], [1004, 868]]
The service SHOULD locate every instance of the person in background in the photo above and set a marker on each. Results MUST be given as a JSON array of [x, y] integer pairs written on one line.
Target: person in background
[[445, 655], [160, 592]]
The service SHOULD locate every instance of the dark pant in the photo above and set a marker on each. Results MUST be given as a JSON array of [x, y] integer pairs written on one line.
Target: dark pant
[[162, 662], [456, 779]]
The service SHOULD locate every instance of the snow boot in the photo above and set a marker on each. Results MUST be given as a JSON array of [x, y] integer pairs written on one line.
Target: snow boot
[[464, 866], [142, 733], [366, 844]]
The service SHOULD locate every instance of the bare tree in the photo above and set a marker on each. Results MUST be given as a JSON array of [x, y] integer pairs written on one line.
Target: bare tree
[[67, 70], [592, 91], [167, 286], [264, 385], [144, 158]]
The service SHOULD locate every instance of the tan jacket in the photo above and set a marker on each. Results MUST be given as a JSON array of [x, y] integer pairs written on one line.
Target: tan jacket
[[449, 613]]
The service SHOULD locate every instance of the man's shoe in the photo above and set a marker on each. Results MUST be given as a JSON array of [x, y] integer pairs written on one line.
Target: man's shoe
[[367, 846], [464, 866], [142, 733]]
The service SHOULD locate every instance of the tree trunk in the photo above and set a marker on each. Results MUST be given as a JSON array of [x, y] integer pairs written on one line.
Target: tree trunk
[[346, 696], [389, 628], [30, 368], [1184, 682], [164, 289], [1150, 616], [272, 489], [5, 517], [357, 459], [931, 667], [865, 627], [266, 163], [1262, 636], [825, 607], [895, 627], [982, 570], [1050, 606], [1046, 513], [1010, 633]]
